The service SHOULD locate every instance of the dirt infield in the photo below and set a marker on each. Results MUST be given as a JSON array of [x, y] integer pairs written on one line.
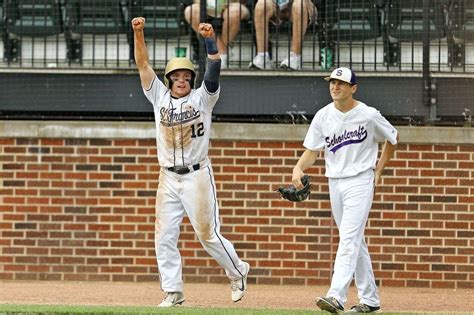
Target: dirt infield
[[218, 295]]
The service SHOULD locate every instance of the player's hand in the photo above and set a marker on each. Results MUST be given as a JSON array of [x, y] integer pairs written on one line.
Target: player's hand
[[206, 30], [296, 178], [138, 23]]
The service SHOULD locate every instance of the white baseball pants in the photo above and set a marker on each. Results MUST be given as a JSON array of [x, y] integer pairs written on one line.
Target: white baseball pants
[[195, 194], [351, 200]]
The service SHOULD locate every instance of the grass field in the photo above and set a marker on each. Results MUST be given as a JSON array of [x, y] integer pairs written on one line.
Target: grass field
[[67, 309]]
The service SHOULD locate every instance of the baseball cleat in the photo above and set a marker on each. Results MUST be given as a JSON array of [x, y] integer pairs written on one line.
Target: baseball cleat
[[364, 308], [239, 286], [329, 304], [172, 299]]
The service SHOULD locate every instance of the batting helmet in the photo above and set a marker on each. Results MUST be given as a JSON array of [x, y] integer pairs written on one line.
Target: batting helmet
[[179, 63]]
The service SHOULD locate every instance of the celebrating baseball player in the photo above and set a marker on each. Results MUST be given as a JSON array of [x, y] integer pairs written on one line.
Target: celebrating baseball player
[[349, 132], [183, 125]]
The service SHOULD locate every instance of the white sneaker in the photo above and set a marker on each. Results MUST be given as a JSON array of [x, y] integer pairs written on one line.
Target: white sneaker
[[239, 286], [262, 63], [224, 60], [171, 299], [293, 62]]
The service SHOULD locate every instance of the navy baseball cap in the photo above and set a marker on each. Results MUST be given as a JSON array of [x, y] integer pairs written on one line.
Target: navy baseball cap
[[343, 74]]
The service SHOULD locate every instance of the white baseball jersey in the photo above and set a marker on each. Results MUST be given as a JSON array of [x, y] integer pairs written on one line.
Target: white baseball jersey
[[183, 125], [350, 139], [183, 128]]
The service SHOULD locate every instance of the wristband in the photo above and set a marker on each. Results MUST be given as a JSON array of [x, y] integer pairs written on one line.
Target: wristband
[[211, 46]]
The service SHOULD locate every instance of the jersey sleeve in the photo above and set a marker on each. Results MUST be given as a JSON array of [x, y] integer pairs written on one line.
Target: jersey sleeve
[[207, 99], [383, 129], [156, 89], [314, 139]]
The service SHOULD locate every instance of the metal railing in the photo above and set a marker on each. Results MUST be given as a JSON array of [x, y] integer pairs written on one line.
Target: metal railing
[[375, 35]]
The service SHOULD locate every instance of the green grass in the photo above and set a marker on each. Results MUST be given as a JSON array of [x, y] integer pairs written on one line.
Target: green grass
[[67, 309], [81, 310]]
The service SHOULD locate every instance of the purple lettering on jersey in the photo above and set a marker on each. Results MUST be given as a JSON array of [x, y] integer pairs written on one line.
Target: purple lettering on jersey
[[347, 137], [170, 117]]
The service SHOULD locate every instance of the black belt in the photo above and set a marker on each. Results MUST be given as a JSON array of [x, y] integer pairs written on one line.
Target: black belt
[[181, 170]]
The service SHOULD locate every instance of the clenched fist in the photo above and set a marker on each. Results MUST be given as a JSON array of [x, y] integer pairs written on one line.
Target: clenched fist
[[206, 30], [138, 23]]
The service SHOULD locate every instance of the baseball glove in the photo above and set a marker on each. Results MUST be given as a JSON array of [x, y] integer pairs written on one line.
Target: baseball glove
[[292, 194]]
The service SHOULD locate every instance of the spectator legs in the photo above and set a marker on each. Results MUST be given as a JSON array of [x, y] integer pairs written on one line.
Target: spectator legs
[[299, 16], [264, 10]]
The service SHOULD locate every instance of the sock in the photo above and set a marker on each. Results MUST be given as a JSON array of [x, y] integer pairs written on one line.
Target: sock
[[266, 54]]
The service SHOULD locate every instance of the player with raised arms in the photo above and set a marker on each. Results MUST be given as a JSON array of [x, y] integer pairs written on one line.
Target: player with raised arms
[[183, 115]]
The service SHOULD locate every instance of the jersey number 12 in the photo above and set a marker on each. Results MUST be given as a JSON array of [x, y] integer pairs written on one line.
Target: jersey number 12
[[197, 130]]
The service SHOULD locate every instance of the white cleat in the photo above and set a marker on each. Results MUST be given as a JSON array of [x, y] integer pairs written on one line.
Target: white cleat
[[239, 286], [172, 299]]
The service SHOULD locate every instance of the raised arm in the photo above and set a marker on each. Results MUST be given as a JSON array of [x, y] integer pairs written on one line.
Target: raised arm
[[147, 74], [213, 69]]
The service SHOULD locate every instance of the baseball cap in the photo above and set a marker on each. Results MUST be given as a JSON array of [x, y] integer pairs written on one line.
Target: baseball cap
[[343, 74]]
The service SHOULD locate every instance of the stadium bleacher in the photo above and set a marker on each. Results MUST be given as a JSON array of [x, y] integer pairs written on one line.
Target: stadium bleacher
[[164, 17], [353, 28], [1, 15], [89, 17], [95, 17], [29, 18], [460, 26], [404, 22], [353, 20], [2, 29], [383, 38]]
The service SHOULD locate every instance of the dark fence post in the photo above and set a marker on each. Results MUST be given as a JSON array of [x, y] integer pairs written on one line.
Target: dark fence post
[[429, 98]]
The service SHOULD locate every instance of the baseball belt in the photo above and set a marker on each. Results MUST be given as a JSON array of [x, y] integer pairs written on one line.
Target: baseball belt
[[181, 170]]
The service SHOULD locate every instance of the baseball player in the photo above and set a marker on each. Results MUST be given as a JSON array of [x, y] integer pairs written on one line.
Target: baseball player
[[183, 125], [349, 132]]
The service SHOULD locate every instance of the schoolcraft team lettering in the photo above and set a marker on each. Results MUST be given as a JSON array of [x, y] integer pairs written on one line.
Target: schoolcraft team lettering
[[171, 117], [358, 135]]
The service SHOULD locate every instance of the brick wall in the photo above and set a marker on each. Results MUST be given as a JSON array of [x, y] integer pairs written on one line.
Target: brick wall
[[78, 208]]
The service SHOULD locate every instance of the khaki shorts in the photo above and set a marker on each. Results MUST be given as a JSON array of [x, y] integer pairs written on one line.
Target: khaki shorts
[[284, 14], [220, 5]]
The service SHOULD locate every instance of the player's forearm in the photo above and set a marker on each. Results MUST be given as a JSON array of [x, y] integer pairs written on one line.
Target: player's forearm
[[211, 48], [141, 59], [213, 69], [141, 53], [388, 152], [212, 74], [306, 160]]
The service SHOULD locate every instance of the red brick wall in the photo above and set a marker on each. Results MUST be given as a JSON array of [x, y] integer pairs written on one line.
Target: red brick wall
[[75, 209]]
